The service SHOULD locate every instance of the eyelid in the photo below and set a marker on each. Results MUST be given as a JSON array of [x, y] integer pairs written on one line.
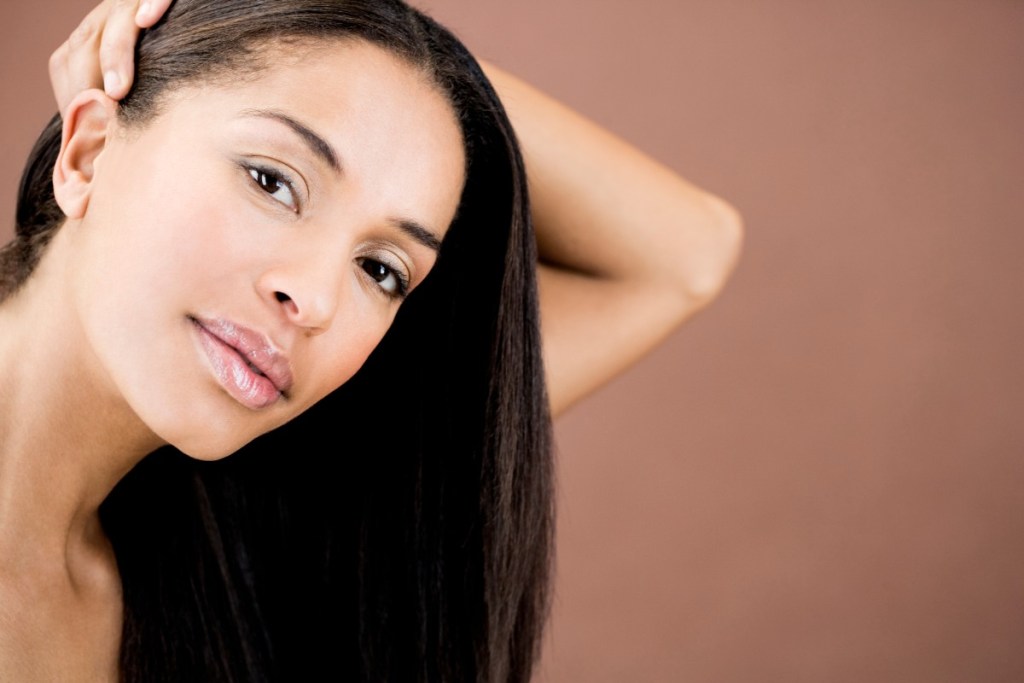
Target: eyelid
[[299, 188], [397, 266]]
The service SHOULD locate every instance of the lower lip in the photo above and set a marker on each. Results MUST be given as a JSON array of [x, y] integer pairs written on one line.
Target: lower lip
[[242, 383]]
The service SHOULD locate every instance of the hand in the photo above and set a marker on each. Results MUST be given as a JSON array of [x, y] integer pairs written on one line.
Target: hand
[[101, 51]]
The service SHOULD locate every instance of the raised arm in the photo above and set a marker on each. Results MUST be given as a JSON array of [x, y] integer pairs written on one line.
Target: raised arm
[[628, 249]]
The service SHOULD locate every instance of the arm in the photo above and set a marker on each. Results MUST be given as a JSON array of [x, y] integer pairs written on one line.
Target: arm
[[628, 249]]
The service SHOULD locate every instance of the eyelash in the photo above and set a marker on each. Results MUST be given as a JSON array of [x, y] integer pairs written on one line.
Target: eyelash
[[257, 174], [260, 173], [401, 280]]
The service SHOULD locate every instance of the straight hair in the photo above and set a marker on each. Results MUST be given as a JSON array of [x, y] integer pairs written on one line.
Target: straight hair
[[401, 528]]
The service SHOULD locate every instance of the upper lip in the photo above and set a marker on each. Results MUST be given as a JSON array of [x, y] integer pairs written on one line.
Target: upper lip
[[253, 347]]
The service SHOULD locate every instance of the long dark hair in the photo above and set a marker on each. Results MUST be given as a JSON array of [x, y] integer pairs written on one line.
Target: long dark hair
[[412, 540]]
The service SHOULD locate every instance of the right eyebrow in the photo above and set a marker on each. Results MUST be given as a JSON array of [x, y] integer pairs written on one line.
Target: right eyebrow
[[316, 143], [426, 237]]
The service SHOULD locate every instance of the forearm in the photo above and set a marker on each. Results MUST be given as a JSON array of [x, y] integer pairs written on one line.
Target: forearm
[[604, 209], [628, 249]]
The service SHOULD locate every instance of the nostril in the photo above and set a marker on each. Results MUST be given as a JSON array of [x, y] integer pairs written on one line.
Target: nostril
[[287, 303]]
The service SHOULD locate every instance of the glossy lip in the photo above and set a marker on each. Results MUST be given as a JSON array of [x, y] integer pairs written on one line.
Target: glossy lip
[[253, 347]]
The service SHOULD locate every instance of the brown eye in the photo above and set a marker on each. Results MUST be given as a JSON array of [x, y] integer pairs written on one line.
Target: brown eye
[[274, 184], [387, 278]]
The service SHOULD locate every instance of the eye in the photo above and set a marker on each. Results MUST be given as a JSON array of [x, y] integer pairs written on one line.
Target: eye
[[275, 184], [390, 280]]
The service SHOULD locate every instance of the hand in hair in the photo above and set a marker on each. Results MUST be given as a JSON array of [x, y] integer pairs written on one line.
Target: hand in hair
[[614, 281], [100, 52]]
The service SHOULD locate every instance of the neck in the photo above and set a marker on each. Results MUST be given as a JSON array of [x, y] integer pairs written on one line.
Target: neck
[[66, 435]]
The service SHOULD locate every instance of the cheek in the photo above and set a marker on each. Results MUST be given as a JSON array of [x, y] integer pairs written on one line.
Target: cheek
[[340, 354], [172, 237], [156, 222]]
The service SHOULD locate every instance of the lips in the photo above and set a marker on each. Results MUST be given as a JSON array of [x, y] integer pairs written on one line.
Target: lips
[[244, 362]]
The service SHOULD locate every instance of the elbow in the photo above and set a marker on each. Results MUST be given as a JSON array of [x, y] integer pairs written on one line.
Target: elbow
[[722, 244]]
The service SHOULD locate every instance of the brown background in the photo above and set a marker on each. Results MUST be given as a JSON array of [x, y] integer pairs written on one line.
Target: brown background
[[820, 478]]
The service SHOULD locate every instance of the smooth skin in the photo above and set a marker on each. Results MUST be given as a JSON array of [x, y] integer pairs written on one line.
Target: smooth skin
[[614, 282], [189, 219]]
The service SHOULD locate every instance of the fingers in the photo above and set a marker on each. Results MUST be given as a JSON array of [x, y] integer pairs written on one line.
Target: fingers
[[150, 12], [117, 48], [101, 51], [74, 66]]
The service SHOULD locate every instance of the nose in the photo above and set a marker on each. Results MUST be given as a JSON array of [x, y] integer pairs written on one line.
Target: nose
[[306, 294]]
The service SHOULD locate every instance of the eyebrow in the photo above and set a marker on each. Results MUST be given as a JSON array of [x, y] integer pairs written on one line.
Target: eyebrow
[[325, 152], [419, 233], [320, 147]]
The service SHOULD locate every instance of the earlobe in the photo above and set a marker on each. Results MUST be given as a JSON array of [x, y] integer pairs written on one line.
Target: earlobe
[[87, 125]]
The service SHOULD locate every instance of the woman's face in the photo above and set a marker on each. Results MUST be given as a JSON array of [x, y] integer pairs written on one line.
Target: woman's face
[[243, 253]]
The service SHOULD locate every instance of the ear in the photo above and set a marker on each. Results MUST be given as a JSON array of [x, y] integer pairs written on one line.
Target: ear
[[88, 123]]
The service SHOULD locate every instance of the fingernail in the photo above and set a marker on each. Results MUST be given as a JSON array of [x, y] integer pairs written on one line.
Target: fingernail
[[143, 10], [111, 81]]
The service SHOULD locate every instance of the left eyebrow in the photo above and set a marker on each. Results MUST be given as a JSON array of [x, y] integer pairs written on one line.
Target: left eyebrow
[[326, 153], [418, 233], [319, 146]]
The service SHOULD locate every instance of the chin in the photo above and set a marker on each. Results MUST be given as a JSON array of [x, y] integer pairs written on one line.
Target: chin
[[207, 442], [206, 452], [205, 425]]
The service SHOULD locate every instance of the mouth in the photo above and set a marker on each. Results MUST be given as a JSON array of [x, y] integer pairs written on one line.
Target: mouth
[[244, 362]]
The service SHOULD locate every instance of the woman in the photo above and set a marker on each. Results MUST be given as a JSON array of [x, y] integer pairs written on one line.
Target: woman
[[249, 229]]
